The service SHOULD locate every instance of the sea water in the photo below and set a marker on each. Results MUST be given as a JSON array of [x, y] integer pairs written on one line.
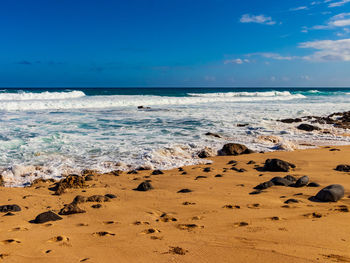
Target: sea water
[[50, 132]]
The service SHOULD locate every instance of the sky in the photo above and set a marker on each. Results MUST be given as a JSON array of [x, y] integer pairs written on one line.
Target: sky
[[175, 43]]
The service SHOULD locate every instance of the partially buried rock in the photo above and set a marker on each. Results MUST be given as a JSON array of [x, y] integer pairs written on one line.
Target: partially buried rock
[[213, 134], [289, 120], [292, 200], [290, 178], [46, 217], [331, 193], [343, 168], [281, 181], [144, 186], [111, 196], [302, 181], [264, 185], [71, 209], [307, 127], [277, 165], [97, 198], [157, 172], [9, 208], [234, 149], [71, 181], [313, 184], [185, 190]]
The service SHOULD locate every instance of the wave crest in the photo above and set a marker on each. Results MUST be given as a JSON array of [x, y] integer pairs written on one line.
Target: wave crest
[[46, 95]]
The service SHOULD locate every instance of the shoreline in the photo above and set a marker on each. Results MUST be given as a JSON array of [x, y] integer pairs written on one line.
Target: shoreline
[[219, 219]]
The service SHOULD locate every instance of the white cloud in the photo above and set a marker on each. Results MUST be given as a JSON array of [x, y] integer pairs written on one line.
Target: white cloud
[[238, 61], [340, 20], [259, 19], [338, 3], [328, 50], [275, 56], [299, 8]]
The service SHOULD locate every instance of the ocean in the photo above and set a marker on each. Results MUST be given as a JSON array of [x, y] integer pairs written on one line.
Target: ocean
[[49, 132]]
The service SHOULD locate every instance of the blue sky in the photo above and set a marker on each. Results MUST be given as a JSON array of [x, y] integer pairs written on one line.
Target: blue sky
[[141, 43]]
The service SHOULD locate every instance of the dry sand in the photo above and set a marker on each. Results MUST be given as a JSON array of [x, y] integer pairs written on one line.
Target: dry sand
[[130, 228]]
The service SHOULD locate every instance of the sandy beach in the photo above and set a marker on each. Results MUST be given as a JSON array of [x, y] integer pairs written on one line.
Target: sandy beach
[[218, 220]]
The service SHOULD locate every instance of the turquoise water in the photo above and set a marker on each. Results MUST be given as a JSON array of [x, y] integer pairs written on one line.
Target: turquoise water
[[66, 130]]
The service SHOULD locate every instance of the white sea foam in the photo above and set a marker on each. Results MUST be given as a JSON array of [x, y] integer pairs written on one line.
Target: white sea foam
[[41, 96], [98, 102], [272, 94]]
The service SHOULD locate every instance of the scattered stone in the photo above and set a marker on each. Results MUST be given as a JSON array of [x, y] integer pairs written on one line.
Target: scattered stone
[[213, 135], [302, 181], [292, 200], [188, 203], [207, 169], [97, 198], [177, 250], [185, 190], [234, 149], [277, 165], [157, 172], [111, 196], [307, 127], [144, 186], [256, 192], [290, 178], [9, 214], [10, 208], [251, 162], [181, 169], [281, 181], [188, 227], [200, 177], [96, 206], [231, 206], [46, 217], [313, 184], [264, 185], [133, 172], [242, 124], [79, 199], [343, 168], [291, 120], [71, 181], [233, 162], [334, 150], [331, 193], [241, 224], [184, 173], [219, 175], [71, 209], [167, 218]]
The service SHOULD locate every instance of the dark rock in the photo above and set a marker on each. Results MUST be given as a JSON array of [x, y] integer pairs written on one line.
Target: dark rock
[[185, 190], [292, 200], [9, 214], [302, 181], [143, 107], [251, 162], [46, 217], [132, 172], [71, 181], [307, 127], [183, 173], [206, 169], [242, 124], [331, 193], [313, 184], [200, 177], [9, 208], [232, 162], [71, 209], [334, 150], [219, 175], [97, 198], [157, 172], [89, 178], [290, 178], [111, 196], [256, 192], [181, 169], [280, 181], [144, 186], [291, 120], [79, 199], [264, 185], [204, 154], [213, 134], [234, 149], [96, 206], [343, 168], [277, 165]]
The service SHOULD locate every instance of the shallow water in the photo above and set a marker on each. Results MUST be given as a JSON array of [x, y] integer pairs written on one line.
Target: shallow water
[[68, 130]]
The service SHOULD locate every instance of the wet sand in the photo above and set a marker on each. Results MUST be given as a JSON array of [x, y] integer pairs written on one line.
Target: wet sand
[[217, 221]]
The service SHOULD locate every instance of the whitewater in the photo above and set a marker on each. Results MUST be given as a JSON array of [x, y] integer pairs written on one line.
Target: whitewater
[[48, 133]]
